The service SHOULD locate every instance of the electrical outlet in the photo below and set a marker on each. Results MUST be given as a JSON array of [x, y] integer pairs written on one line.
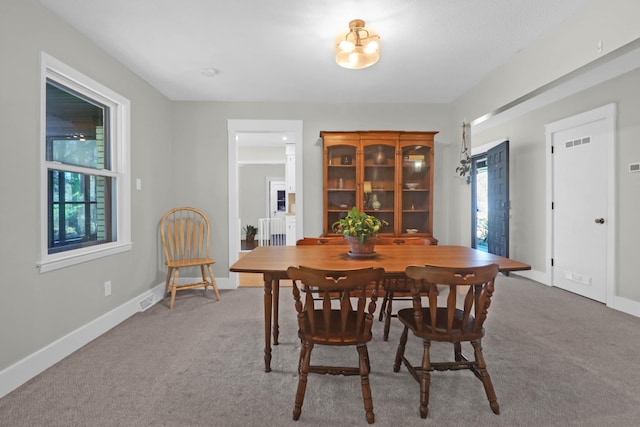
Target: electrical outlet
[[107, 288]]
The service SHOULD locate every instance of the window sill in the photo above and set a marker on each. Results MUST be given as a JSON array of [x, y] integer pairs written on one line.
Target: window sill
[[67, 259]]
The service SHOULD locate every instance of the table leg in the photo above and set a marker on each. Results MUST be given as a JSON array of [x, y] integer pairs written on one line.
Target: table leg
[[267, 322], [276, 300]]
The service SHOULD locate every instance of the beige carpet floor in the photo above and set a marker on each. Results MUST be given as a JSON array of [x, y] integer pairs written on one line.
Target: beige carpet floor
[[556, 359]]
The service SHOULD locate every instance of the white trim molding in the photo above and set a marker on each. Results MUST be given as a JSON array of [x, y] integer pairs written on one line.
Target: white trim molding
[[119, 122]]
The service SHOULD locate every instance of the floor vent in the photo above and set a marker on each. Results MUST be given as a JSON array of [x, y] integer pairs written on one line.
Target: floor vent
[[146, 303]]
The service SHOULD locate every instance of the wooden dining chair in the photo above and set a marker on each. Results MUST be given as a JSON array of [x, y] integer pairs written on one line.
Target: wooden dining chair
[[185, 234], [332, 322], [322, 241], [395, 286], [458, 318]]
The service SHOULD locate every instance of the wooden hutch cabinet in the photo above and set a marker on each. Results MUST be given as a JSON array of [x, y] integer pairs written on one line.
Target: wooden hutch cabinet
[[387, 174]]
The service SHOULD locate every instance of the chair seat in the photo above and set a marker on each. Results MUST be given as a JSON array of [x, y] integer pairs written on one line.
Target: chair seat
[[334, 335], [407, 317]]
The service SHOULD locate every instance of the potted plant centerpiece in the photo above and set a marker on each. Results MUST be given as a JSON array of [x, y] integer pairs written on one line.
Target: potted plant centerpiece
[[360, 229]]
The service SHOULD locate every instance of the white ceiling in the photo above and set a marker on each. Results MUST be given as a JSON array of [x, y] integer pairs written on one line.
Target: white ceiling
[[282, 50]]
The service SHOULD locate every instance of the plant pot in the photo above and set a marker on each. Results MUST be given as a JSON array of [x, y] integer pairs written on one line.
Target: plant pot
[[361, 248]]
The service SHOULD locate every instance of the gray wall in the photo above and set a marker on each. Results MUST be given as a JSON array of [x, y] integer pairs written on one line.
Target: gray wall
[[37, 309], [201, 153]]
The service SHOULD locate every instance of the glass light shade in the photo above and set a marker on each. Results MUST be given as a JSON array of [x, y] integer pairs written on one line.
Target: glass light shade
[[347, 46], [358, 48], [371, 47]]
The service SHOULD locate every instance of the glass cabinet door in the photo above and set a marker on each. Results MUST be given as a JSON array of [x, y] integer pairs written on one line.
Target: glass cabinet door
[[416, 194], [341, 184], [379, 183]]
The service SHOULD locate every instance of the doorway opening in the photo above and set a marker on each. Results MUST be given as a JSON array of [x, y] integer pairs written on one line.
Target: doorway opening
[[272, 226], [490, 197], [236, 128], [277, 198], [479, 203]]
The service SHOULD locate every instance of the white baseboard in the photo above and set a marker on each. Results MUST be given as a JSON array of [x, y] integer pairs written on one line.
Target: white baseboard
[[619, 303], [626, 306], [535, 275], [22, 371]]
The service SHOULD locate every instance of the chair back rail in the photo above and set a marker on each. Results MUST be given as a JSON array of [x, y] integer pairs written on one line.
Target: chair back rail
[[322, 241], [403, 241]]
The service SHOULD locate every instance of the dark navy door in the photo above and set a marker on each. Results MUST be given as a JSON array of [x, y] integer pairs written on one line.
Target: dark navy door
[[498, 199]]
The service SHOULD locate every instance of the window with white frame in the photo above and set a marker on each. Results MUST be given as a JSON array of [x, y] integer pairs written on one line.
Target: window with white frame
[[85, 211]]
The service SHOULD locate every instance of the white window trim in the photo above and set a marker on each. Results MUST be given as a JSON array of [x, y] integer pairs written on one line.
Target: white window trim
[[120, 145]]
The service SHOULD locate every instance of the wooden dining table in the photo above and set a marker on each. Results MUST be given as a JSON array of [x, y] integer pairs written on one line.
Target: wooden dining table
[[273, 261]]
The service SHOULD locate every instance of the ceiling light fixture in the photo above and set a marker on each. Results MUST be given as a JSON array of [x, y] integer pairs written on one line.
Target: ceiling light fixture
[[358, 48]]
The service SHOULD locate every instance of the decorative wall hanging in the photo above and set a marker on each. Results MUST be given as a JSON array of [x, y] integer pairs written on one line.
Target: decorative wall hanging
[[464, 167]]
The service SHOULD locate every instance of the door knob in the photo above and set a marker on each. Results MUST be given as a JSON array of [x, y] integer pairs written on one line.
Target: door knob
[[599, 220]]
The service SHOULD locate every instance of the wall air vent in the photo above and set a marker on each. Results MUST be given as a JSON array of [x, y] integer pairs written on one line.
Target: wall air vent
[[576, 142], [634, 167]]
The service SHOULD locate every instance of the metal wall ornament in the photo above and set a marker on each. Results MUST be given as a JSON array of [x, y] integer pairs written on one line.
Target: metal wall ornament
[[464, 167]]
